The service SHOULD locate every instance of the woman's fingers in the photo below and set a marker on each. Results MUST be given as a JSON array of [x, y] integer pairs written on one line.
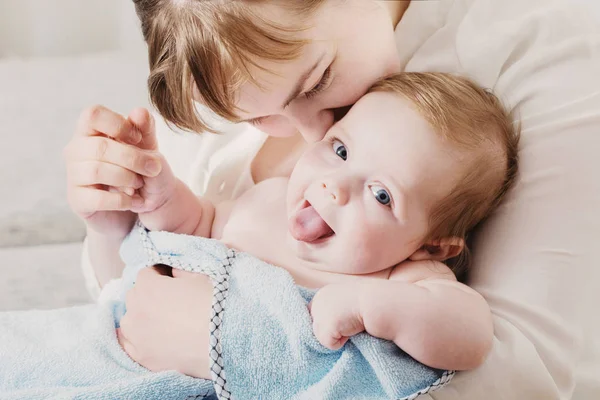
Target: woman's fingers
[[87, 200], [166, 322], [88, 173], [110, 151], [124, 342], [178, 273], [99, 120], [143, 122]]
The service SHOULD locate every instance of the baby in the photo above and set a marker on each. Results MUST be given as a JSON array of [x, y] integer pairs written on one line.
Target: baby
[[376, 215]]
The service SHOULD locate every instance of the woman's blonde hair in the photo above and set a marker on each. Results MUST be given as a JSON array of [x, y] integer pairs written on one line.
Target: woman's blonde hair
[[473, 119], [211, 45]]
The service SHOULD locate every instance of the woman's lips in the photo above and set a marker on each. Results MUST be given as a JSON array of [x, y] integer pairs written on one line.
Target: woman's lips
[[306, 225]]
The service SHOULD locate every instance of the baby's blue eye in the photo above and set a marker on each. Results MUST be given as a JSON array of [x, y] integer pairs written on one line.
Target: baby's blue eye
[[381, 195], [340, 149]]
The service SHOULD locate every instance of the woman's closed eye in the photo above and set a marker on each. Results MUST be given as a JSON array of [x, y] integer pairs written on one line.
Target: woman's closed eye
[[323, 84], [382, 195], [256, 121]]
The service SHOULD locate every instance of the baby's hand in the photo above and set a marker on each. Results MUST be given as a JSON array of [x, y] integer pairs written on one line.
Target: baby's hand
[[156, 190], [336, 315]]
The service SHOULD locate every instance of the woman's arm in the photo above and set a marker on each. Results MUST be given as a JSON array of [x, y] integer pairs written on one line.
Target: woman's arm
[[108, 150], [100, 258]]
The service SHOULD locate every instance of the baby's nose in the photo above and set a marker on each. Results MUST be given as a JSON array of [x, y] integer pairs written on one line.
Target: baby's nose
[[336, 192]]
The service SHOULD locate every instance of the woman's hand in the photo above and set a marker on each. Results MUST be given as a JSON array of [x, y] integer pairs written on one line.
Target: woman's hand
[[106, 161], [336, 315], [166, 326]]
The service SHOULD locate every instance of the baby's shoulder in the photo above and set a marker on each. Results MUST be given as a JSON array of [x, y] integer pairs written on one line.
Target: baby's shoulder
[[277, 185], [415, 271], [260, 209]]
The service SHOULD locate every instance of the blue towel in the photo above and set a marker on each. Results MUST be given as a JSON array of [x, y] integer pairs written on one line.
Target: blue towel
[[73, 353], [261, 345]]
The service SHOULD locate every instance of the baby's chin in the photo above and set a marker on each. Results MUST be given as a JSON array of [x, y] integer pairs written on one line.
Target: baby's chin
[[326, 258]]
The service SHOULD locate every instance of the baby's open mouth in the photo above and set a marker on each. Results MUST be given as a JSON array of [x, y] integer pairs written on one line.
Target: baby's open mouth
[[306, 225]]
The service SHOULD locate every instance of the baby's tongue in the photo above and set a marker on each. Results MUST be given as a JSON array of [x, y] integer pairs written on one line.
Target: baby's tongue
[[307, 225]]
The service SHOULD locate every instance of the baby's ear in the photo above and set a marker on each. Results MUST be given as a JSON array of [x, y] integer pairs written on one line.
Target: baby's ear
[[439, 250]]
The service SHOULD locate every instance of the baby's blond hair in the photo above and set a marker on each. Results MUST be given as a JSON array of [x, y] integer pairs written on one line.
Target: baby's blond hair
[[473, 120], [211, 45]]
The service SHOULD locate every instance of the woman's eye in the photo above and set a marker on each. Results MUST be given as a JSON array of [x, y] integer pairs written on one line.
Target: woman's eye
[[257, 121], [321, 85], [381, 195], [340, 149]]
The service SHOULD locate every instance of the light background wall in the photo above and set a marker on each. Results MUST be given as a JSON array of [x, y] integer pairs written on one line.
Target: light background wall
[[56, 58], [67, 27]]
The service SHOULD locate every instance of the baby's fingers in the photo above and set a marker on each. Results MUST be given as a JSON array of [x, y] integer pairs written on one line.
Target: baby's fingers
[[329, 338], [88, 200], [88, 173]]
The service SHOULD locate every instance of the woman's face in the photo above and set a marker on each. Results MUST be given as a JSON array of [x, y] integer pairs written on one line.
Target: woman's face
[[351, 46]]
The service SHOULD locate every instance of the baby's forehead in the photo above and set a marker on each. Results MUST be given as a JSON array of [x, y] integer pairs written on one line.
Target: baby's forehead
[[374, 101], [382, 119]]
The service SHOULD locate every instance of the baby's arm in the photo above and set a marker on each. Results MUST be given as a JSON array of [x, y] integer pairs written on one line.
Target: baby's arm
[[182, 212], [430, 315], [422, 308]]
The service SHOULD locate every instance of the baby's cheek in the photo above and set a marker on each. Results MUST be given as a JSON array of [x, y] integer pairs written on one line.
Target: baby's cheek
[[365, 251], [297, 185]]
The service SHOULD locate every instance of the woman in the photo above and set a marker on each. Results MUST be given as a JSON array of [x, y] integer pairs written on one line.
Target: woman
[[534, 267]]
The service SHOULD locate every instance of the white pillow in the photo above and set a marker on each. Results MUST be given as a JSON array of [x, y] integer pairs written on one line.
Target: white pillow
[[534, 260]]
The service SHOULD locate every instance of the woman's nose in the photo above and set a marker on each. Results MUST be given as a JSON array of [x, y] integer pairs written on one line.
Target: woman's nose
[[312, 125], [336, 191]]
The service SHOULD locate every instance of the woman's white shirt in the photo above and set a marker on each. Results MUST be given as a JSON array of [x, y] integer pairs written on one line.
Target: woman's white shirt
[[534, 260]]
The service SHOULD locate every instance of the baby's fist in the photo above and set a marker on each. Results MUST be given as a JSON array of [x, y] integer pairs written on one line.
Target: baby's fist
[[336, 315]]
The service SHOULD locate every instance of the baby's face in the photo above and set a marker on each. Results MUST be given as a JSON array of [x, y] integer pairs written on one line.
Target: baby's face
[[358, 201]]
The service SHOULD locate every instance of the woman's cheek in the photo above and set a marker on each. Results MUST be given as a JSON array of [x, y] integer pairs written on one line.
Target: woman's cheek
[[277, 126]]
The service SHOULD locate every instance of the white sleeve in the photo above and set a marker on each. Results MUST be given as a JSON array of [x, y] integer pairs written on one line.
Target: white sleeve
[[89, 276], [535, 260]]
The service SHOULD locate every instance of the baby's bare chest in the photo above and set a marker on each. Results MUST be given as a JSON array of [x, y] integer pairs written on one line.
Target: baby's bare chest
[[256, 222]]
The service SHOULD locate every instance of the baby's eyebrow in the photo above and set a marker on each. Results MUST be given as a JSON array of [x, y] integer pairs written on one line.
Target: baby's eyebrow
[[339, 127]]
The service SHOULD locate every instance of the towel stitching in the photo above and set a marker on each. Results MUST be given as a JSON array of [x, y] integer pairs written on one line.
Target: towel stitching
[[220, 290], [438, 384], [220, 281]]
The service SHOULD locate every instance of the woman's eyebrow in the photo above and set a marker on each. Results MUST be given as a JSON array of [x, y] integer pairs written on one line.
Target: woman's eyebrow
[[302, 81]]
